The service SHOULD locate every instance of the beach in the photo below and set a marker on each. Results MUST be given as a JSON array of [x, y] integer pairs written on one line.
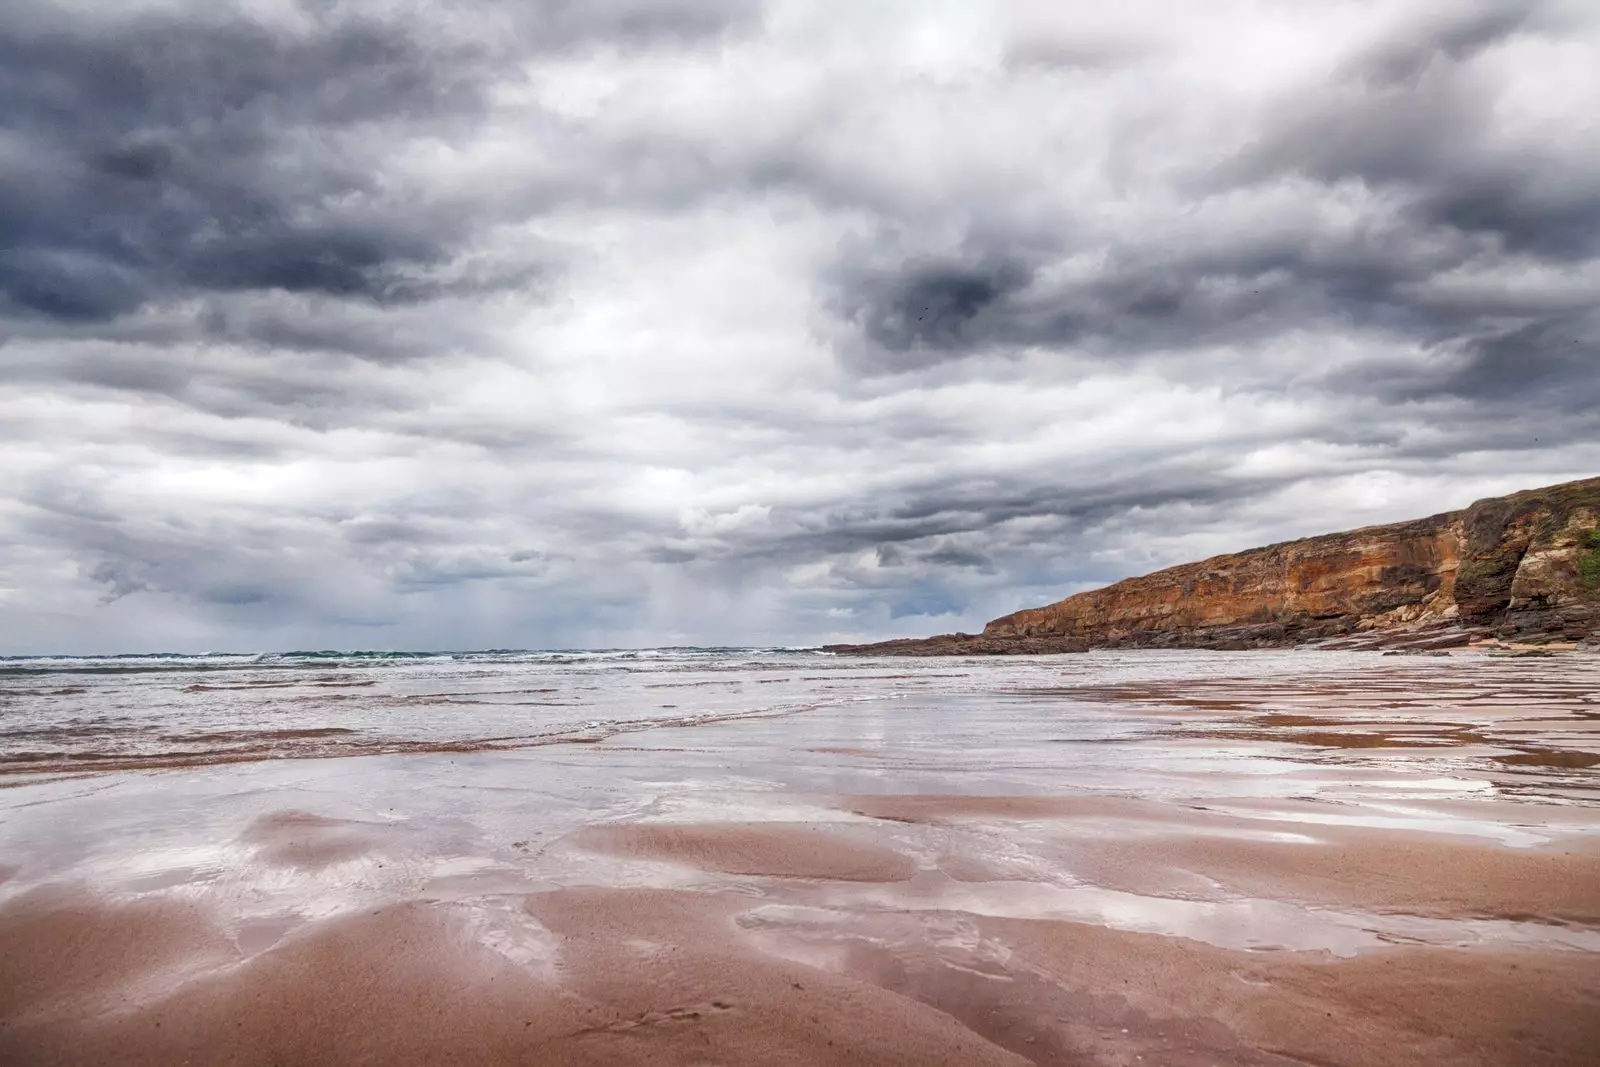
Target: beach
[[783, 857]]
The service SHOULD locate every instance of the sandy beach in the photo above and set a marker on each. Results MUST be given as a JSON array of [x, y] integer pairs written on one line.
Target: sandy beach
[[1129, 860]]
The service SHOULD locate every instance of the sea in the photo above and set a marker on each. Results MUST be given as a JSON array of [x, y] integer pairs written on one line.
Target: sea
[[67, 715]]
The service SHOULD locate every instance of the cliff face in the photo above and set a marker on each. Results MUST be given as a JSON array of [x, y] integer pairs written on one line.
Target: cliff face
[[1518, 567]]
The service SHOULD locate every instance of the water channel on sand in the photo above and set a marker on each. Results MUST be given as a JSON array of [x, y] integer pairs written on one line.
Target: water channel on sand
[[740, 856]]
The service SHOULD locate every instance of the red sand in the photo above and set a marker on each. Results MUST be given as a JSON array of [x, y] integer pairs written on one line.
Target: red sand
[[306, 841], [1373, 869], [663, 977], [776, 850], [648, 978]]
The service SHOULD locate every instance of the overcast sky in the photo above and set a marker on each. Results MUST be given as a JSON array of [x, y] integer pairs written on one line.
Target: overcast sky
[[611, 322]]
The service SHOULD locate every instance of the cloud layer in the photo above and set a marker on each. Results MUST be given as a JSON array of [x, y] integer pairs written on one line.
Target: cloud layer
[[389, 324]]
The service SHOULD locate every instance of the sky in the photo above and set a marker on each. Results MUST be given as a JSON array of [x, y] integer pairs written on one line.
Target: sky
[[597, 323]]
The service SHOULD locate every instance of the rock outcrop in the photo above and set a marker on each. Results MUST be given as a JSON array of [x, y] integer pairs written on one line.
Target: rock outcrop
[[1523, 568]]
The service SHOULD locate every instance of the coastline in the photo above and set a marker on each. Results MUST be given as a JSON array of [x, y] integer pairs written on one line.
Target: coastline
[[1437, 638], [1515, 571]]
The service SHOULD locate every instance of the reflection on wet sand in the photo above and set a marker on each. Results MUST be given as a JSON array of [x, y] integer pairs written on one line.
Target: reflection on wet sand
[[1537, 757], [1336, 862]]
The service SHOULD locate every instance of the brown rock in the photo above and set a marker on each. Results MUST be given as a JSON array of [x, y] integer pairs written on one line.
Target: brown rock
[[1509, 565]]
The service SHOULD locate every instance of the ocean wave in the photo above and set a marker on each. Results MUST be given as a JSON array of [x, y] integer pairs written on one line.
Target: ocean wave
[[164, 661]]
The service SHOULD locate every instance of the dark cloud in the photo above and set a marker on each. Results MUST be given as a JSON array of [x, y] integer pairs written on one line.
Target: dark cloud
[[1559, 224], [959, 557], [1554, 363], [116, 576], [1416, 118], [969, 525], [566, 23], [914, 314], [170, 153], [1380, 190], [929, 309], [1452, 35]]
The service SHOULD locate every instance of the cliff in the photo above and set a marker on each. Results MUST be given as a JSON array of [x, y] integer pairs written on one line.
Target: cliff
[[1523, 568]]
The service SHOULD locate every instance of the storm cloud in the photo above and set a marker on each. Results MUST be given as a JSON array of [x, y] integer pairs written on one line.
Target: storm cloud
[[334, 323]]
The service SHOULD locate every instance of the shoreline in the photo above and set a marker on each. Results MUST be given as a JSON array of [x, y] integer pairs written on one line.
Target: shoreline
[[1432, 639]]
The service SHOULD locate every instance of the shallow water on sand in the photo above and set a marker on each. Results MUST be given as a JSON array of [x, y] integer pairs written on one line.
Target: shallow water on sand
[[855, 814]]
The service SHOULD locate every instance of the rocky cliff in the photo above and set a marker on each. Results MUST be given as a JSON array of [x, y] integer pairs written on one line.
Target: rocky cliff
[[1523, 568]]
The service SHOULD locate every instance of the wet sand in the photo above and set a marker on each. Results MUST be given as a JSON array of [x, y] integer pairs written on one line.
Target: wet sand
[[943, 882], [775, 851], [619, 976], [1260, 855]]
